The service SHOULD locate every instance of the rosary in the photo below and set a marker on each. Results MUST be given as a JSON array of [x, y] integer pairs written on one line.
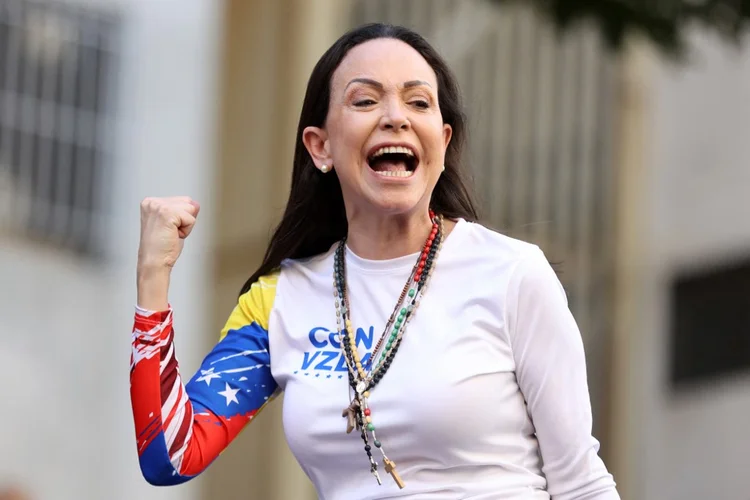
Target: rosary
[[363, 377]]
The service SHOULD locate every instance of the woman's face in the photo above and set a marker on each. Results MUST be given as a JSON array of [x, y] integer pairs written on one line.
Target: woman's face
[[384, 134]]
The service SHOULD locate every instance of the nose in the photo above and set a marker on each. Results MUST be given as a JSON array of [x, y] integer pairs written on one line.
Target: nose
[[394, 117]]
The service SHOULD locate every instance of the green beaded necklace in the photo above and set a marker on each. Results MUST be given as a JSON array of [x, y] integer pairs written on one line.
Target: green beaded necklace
[[363, 377]]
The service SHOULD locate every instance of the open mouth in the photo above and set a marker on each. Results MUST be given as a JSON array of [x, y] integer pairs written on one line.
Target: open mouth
[[393, 161]]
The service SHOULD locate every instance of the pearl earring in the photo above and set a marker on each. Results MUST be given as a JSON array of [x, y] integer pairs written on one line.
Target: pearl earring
[[324, 168], [443, 168]]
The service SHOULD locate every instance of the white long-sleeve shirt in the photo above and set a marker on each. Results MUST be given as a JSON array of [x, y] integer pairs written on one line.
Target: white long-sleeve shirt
[[486, 398]]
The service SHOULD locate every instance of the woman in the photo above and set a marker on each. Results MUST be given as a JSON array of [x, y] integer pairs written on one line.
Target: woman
[[476, 387]]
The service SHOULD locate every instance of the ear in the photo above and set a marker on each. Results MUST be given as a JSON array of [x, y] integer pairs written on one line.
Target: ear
[[315, 140], [447, 134]]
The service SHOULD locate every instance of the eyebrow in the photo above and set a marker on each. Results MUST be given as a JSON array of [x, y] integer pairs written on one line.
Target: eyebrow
[[378, 85], [415, 83]]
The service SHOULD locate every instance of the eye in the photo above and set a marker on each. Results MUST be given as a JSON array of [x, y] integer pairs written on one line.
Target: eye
[[420, 103], [364, 103]]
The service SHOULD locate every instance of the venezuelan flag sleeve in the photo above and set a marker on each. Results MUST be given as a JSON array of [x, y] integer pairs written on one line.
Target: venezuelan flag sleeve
[[181, 429]]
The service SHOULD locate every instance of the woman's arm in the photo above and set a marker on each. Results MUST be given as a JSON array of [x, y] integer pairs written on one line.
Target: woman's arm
[[181, 429], [551, 372]]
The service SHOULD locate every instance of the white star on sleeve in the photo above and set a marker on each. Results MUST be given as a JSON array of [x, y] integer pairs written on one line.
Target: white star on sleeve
[[230, 394], [207, 376]]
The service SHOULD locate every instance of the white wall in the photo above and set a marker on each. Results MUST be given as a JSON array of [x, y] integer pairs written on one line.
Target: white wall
[[66, 431], [694, 446]]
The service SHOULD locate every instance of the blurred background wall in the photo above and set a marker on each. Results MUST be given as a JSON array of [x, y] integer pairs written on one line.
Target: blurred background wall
[[102, 104], [683, 337], [628, 169]]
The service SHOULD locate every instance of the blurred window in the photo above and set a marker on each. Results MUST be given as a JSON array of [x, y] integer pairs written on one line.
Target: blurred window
[[56, 63], [710, 327]]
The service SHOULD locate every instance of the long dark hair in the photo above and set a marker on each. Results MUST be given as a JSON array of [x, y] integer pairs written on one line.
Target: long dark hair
[[315, 218]]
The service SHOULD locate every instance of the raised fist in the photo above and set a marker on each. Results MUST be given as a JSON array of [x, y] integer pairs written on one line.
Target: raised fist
[[165, 223]]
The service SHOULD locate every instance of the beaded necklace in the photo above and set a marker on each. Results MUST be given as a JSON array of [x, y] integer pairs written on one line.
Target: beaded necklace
[[365, 375]]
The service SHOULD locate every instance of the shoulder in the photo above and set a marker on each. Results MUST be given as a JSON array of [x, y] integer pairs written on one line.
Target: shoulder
[[262, 293], [521, 265], [494, 246], [254, 306], [533, 286], [292, 269]]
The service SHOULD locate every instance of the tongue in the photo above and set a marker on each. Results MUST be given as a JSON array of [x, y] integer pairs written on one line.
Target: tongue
[[388, 165]]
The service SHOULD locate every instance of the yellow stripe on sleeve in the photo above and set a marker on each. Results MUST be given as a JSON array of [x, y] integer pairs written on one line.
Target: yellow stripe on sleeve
[[254, 306]]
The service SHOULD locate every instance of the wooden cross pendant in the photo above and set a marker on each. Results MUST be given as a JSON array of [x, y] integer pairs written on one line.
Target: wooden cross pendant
[[350, 412], [390, 468]]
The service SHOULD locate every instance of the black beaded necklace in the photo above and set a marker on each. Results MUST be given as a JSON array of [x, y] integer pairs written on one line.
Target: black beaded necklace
[[364, 376]]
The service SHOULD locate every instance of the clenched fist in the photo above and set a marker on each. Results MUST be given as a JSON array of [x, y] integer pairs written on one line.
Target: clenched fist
[[165, 223]]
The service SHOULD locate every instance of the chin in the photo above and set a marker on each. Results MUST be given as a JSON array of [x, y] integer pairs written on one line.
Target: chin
[[392, 196], [396, 203]]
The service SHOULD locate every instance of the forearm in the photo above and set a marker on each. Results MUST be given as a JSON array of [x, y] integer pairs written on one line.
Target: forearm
[[180, 428], [153, 287], [162, 411]]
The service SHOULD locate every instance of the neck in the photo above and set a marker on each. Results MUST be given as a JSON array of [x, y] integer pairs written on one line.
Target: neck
[[379, 237]]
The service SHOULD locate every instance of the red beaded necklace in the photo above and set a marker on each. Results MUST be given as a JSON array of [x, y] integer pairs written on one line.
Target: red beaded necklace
[[364, 376]]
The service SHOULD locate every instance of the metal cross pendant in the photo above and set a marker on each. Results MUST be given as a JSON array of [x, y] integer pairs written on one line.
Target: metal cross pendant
[[390, 468], [374, 472]]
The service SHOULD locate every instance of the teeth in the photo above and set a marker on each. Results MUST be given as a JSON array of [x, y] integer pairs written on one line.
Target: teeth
[[396, 173], [393, 149]]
